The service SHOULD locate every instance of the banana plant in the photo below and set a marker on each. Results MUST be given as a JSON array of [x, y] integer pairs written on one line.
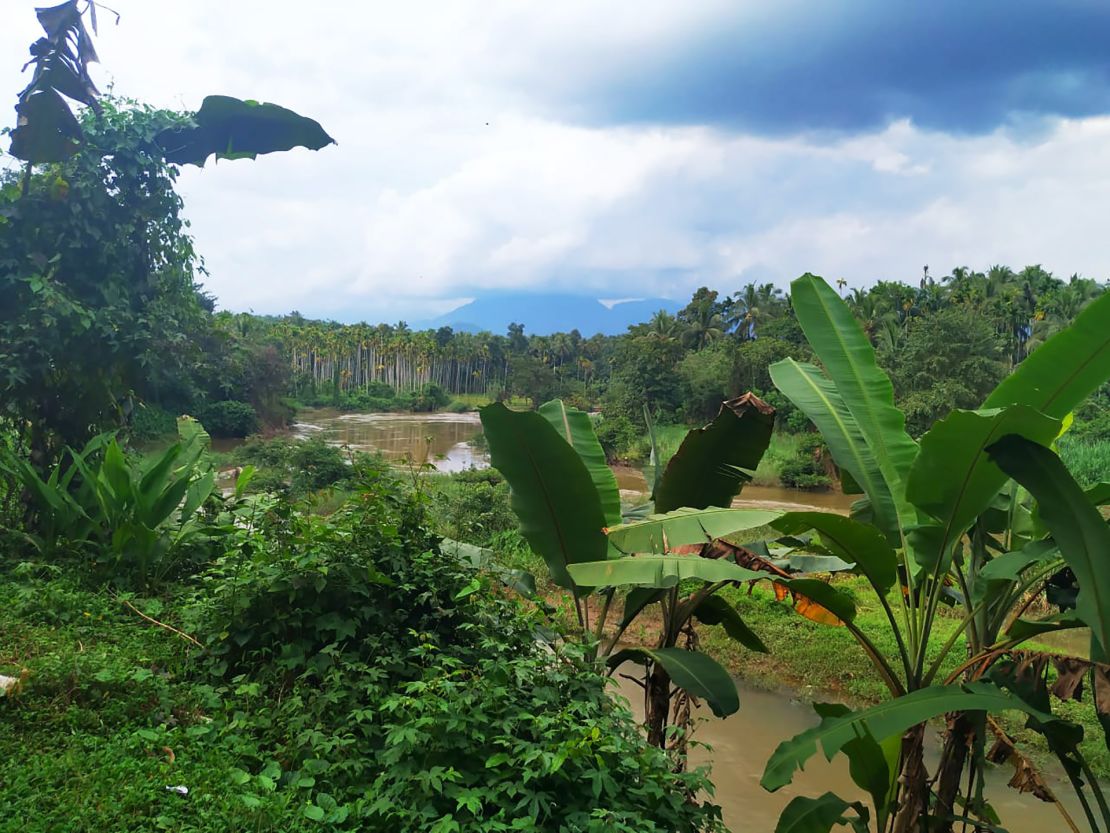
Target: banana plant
[[938, 521], [569, 510]]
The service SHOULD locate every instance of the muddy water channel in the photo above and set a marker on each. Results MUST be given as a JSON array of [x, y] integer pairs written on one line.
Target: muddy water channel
[[740, 745]]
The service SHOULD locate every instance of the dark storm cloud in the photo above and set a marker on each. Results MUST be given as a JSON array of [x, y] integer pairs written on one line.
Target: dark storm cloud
[[956, 65]]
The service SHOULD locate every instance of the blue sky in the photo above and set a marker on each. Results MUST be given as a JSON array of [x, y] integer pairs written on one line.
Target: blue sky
[[627, 149]]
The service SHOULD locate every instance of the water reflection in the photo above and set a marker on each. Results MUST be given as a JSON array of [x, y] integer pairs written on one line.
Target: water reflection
[[444, 440]]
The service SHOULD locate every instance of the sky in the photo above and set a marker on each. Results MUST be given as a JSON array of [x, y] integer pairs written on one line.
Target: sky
[[625, 149]]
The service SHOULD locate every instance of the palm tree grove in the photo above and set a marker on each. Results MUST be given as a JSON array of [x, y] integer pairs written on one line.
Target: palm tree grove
[[503, 417]]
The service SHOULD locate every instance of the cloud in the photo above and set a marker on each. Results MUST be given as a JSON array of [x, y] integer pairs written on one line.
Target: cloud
[[860, 64], [627, 150]]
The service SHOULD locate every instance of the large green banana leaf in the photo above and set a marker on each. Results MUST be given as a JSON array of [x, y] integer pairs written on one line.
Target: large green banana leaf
[[658, 571], [849, 360], [553, 495], [817, 397], [1065, 370], [952, 478], [1077, 527], [817, 815], [692, 671], [713, 463], [887, 719], [859, 544], [575, 427], [657, 533]]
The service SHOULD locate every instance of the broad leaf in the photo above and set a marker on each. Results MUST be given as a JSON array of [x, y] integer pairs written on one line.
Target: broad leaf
[[872, 765], [716, 611], [858, 544], [849, 360], [887, 719], [952, 478], [1065, 370], [1032, 628], [812, 815], [236, 129], [575, 427], [552, 493], [713, 463], [659, 533], [694, 672], [1077, 527], [658, 571], [817, 397]]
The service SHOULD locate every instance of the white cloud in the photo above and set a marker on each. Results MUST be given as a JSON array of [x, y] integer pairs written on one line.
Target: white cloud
[[451, 178]]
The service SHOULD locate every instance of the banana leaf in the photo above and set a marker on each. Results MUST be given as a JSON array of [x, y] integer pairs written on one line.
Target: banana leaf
[[658, 533], [575, 427], [694, 672]]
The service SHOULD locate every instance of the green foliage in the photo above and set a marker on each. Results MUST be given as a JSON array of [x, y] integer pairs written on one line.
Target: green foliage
[[948, 360], [805, 468], [298, 466], [97, 271], [151, 422], [137, 521], [229, 418]]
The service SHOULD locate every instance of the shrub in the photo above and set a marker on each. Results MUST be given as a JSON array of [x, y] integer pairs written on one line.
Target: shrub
[[229, 418], [400, 696], [151, 422], [806, 468]]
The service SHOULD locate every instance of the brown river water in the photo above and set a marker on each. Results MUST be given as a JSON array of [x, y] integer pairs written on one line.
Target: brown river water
[[739, 745]]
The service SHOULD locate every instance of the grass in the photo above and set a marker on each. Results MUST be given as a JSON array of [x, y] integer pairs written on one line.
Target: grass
[[783, 447], [1087, 460], [108, 718]]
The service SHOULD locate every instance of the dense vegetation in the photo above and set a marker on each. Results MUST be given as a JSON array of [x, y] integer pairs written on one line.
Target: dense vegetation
[[323, 640]]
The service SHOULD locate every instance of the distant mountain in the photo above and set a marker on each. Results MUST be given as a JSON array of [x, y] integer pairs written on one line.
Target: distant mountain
[[545, 314]]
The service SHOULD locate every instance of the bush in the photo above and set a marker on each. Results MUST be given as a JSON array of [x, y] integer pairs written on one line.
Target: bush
[[806, 468], [621, 439], [152, 422], [302, 466], [399, 696], [229, 418]]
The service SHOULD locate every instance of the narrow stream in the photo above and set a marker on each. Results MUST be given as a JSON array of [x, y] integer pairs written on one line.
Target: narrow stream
[[741, 744]]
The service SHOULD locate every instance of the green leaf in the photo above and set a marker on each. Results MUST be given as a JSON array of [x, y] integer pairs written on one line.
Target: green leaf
[[235, 129], [865, 390], [844, 349], [314, 813], [658, 571], [887, 719], [1032, 628], [812, 815], [871, 764], [816, 396], [709, 467], [636, 600], [716, 611], [1077, 527], [1065, 370], [657, 533], [575, 427], [553, 495], [692, 671], [952, 478], [858, 544]]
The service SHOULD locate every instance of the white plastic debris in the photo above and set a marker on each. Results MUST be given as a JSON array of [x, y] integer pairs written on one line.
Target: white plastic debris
[[179, 790], [8, 684]]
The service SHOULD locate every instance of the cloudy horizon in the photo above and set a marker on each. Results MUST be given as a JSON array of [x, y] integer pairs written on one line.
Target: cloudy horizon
[[626, 151]]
